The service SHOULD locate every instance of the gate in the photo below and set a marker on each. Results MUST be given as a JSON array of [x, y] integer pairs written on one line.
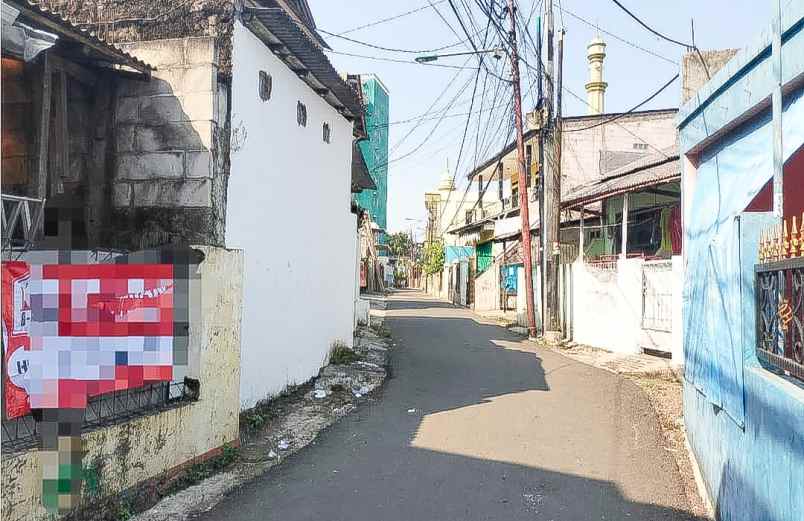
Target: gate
[[657, 296]]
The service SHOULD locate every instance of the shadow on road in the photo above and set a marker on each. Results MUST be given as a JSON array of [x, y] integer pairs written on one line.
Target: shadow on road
[[470, 429]]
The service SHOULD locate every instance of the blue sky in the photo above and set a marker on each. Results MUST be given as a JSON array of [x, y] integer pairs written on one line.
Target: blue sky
[[632, 74]]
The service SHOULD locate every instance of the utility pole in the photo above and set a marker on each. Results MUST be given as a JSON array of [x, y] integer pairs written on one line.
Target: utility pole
[[552, 197], [523, 187]]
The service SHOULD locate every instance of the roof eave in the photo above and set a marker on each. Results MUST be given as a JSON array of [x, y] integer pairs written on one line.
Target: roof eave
[[295, 63]]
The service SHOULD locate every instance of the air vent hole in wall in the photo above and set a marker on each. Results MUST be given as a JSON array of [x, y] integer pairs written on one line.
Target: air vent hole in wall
[[266, 85], [301, 114]]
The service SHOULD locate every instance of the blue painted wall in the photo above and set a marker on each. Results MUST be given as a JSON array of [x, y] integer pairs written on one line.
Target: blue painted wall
[[744, 422]]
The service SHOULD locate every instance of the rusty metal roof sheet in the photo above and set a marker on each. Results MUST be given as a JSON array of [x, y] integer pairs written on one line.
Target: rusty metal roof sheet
[[40, 16], [650, 170], [283, 35]]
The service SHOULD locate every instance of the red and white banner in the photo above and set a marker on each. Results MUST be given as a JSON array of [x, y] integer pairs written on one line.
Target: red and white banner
[[72, 331]]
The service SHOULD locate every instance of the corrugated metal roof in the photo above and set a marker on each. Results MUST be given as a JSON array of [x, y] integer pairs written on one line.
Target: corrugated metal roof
[[282, 34], [41, 17], [651, 170]]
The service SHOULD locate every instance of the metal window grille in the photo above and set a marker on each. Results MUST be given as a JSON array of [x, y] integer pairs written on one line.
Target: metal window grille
[[657, 296], [107, 409], [779, 294]]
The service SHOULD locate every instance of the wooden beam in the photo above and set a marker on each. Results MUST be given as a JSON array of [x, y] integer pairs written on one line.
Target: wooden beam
[[665, 193], [42, 96], [61, 139], [74, 70], [581, 236], [624, 252]]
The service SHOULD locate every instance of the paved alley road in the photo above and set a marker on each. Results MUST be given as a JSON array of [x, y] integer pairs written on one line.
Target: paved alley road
[[476, 425]]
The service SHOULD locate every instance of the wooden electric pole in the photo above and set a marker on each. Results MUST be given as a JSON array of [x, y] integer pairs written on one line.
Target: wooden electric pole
[[523, 186], [552, 194]]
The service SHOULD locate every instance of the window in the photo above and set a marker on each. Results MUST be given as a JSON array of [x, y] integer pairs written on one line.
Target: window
[[301, 114], [266, 85], [640, 146], [327, 133]]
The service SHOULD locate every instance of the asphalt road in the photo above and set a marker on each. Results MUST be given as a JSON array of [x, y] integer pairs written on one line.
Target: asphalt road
[[476, 425]]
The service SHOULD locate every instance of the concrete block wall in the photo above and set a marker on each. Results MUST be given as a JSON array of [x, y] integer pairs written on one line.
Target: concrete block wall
[[166, 127], [171, 146]]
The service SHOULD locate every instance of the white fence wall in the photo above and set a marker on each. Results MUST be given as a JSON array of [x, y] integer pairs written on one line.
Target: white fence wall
[[487, 289], [607, 308]]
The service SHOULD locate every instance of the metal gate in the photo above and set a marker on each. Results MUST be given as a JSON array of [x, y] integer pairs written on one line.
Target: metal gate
[[657, 296]]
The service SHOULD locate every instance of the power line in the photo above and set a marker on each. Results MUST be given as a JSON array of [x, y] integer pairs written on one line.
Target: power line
[[660, 35], [391, 18], [396, 60], [447, 116], [632, 109], [576, 96], [399, 143], [391, 49], [623, 40], [649, 28], [468, 121]]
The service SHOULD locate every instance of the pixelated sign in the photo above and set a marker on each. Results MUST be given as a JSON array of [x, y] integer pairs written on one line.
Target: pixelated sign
[[71, 331]]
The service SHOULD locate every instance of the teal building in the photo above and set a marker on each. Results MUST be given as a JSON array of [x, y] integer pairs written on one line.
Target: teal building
[[375, 150]]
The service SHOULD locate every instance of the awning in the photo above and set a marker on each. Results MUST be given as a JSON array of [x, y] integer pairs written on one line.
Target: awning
[[282, 34], [361, 179]]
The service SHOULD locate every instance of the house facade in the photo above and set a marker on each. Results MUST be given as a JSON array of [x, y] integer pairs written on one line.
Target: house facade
[[741, 137], [299, 297], [159, 129]]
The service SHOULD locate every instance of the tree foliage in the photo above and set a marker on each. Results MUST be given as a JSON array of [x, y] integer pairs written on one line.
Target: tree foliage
[[400, 244], [433, 258]]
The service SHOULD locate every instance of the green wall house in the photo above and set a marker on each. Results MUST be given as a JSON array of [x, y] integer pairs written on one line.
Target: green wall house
[[375, 150]]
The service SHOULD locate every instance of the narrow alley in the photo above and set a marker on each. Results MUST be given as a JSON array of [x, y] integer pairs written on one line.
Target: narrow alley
[[476, 424]]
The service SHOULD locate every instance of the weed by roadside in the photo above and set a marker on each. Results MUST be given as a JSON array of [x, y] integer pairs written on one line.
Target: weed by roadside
[[382, 331], [341, 354], [200, 471]]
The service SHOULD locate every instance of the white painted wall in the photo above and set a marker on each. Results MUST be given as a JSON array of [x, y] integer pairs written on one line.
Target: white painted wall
[[608, 305], [289, 208], [487, 289], [607, 309]]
